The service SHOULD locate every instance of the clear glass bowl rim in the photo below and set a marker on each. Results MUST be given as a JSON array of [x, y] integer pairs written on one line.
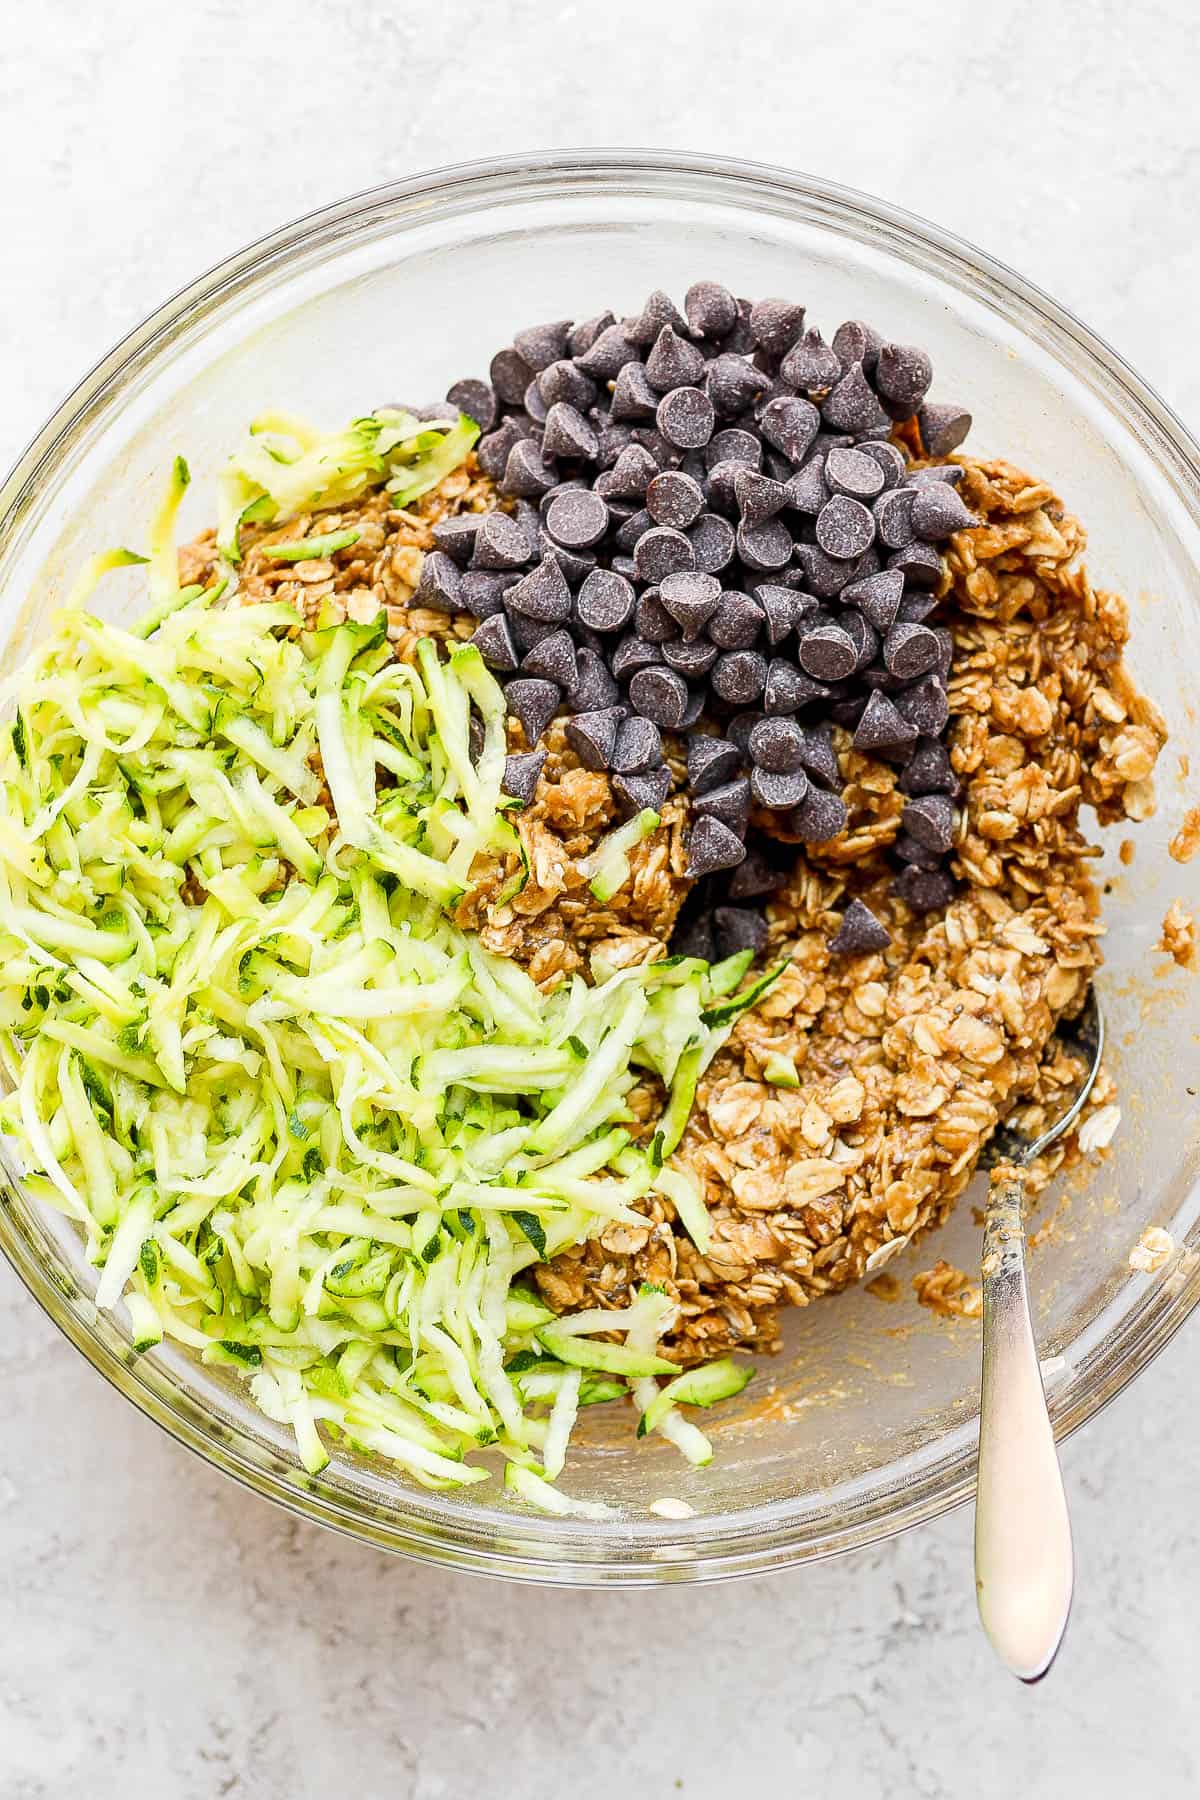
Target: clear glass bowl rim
[[564, 1551]]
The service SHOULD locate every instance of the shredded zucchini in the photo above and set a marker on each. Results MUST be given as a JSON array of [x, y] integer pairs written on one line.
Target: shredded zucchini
[[309, 1127]]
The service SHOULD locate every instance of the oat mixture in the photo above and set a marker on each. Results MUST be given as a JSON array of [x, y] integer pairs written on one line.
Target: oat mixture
[[906, 1059]]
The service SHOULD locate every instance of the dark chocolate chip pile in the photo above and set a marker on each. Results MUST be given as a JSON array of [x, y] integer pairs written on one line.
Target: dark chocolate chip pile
[[711, 527]]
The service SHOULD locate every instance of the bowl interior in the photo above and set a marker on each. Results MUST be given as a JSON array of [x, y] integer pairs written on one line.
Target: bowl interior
[[867, 1420]]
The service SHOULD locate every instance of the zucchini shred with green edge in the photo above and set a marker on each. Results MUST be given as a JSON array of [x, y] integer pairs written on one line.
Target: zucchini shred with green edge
[[309, 1127]]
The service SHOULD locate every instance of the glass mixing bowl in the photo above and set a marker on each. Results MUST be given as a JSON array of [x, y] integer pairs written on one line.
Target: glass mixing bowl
[[867, 1422]]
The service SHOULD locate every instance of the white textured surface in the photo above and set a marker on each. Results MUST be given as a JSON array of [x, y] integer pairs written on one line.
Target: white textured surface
[[168, 1636]]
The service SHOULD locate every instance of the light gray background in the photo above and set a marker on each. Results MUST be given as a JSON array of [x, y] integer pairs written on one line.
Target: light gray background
[[168, 1637]]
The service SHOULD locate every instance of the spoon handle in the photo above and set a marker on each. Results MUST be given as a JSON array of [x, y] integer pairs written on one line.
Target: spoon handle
[[1024, 1565]]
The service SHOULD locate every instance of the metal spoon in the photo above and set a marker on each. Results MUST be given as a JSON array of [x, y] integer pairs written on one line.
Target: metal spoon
[[1024, 1564]]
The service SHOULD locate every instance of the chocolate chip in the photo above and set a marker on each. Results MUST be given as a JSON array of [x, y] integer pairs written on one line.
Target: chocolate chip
[[581, 337], [660, 695], [510, 376], [691, 598], [719, 489], [852, 405], [790, 424], [753, 877], [636, 792], [630, 475], [729, 803], [765, 547], [674, 499], [711, 309], [594, 686], [633, 653], [943, 428], [440, 584], [827, 654], [605, 601], [916, 607], [673, 362], [859, 932], [739, 928], [606, 357], [631, 529], [819, 817], [711, 761], [521, 773], [526, 472], [819, 756], [733, 384], [864, 639], [877, 597], [909, 651], [661, 552], [910, 850], [902, 376], [775, 325], [920, 564], [494, 641], [576, 565], [739, 676], [611, 439], [782, 609], [807, 488], [857, 342], [779, 792], [632, 395], [593, 736], [733, 445], [477, 400], [543, 593], [777, 745], [925, 706], [845, 527], [924, 891], [893, 517], [713, 543], [825, 576], [685, 417], [938, 510], [810, 366], [890, 460], [757, 496], [577, 519], [945, 659], [788, 688], [690, 659], [535, 406], [697, 702], [540, 345], [738, 731], [492, 451], [694, 937], [930, 819], [482, 591], [638, 746], [568, 434], [457, 536], [882, 727], [563, 384], [553, 659], [533, 702], [712, 846], [952, 473], [855, 473], [658, 311], [528, 632], [623, 565], [652, 619]]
